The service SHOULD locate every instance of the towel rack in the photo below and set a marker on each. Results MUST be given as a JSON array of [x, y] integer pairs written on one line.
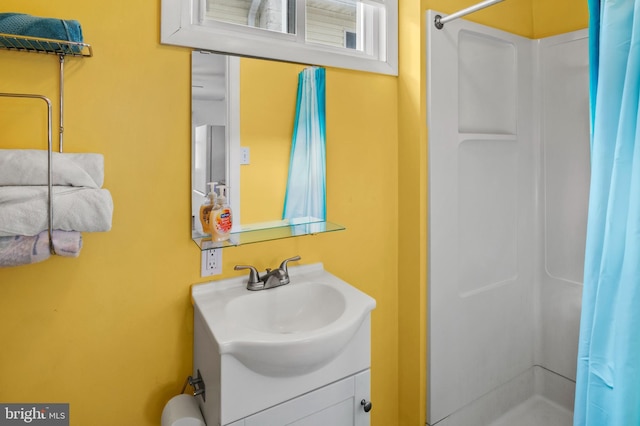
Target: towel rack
[[44, 45], [49, 159], [61, 48]]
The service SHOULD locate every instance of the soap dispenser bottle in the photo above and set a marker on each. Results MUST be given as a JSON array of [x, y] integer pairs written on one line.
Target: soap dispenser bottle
[[221, 218], [206, 207]]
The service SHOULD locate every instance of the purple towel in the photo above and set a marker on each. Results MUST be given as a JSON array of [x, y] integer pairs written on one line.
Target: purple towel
[[23, 250]]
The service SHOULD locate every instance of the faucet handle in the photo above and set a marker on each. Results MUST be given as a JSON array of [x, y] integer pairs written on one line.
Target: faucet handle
[[283, 265], [254, 277]]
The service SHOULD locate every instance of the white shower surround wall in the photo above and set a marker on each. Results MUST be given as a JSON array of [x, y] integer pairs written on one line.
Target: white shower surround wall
[[508, 121]]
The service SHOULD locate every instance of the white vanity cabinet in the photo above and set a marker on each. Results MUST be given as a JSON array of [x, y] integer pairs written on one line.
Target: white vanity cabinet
[[337, 404], [265, 360]]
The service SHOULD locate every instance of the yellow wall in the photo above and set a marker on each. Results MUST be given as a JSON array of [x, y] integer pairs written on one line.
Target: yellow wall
[[528, 18], [113, 327], [552, 17], [267, 132], [110, 332]]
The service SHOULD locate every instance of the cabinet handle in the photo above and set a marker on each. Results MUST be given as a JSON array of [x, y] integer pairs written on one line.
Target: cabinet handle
[[366, 405]]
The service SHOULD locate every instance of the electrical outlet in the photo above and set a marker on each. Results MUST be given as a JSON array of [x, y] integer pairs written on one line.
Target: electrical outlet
[[211, 262]]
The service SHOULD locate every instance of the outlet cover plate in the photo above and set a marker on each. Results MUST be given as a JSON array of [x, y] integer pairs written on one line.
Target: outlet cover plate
[[211, 262]]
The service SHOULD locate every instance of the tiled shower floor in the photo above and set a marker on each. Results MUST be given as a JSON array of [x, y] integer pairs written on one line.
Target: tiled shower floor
[[536, 411]]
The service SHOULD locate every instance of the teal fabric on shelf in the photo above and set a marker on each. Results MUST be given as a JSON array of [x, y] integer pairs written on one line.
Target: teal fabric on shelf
[[21, 24], [608, 371], [306, 184]]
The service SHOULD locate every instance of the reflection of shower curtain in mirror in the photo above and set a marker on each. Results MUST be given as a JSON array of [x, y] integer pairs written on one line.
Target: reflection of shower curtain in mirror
[[608, 377], [306, 185]]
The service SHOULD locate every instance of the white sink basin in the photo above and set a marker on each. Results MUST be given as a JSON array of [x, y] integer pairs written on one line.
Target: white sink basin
[[300, 308], [288, 330]]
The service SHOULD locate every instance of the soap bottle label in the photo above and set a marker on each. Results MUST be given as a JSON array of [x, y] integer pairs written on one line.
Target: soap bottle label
[[221, 222], [224, 221]]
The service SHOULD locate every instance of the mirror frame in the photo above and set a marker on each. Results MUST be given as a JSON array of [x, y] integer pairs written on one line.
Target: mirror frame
[[232, 140]]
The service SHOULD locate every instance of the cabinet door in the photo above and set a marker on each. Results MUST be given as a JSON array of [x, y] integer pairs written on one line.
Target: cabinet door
[[362, 393], [337, 404]]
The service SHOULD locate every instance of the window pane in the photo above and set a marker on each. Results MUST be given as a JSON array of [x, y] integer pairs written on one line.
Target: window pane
[[344, 23], [273, 15]]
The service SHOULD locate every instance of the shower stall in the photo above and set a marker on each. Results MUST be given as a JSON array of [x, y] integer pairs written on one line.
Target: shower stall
[[508, 123]]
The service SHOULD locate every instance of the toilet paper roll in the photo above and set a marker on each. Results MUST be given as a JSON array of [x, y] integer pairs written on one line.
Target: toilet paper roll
[[182, 410]]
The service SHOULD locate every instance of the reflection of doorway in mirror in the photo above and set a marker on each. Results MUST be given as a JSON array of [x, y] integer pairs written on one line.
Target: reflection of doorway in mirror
[[209, 164], [210, 153], [209, 122], [215, 94]]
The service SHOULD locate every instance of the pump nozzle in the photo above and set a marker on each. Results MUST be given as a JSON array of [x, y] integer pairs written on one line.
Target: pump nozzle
[[212, 188], [222, 194]]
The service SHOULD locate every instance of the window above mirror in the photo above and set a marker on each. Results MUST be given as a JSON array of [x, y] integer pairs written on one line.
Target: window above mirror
[[354, 34]]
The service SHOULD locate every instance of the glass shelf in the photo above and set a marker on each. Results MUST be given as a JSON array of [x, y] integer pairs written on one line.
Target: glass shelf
[[257, 233]]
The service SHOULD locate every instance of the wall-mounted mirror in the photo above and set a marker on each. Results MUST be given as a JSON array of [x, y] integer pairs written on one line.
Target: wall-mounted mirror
[[243, 113]]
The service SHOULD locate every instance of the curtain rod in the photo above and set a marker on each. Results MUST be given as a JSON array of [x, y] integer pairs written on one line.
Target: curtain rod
[[440, 21]]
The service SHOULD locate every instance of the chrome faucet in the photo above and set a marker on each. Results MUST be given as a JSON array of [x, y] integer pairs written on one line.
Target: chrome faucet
[[272, 278]]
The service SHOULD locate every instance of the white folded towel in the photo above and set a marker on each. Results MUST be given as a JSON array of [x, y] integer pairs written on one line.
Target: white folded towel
[[29, 167], [23, 250], [24, 211]]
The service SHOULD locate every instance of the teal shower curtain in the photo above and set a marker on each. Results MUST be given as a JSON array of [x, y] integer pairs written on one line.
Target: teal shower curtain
[[608, 373], [305, 198]]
